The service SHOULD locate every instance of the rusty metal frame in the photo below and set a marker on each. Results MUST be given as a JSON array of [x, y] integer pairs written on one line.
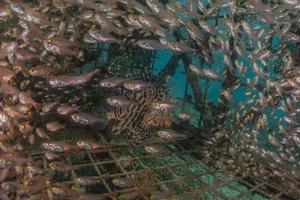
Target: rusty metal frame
[[98, 162]]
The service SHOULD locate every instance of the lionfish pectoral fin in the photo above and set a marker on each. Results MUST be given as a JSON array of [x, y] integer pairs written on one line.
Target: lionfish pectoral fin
[[134, 139]]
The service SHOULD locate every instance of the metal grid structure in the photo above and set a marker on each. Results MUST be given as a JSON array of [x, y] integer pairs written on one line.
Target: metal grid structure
[[178, 173]]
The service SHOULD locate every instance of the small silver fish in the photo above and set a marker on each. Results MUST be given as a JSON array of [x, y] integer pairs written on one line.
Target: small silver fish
[[25, 98], [85, 181], [164, 105], [25, 127], [112, 82], [13, 112], [8, 90], [155, 149], [23, 108], [51, 156], [6, 74], [170, 134], [89, 144], [42, 133], [60, 166], [150, 44], [86, 119], [184, 116], [4, 163], [125, 182], [40, 71], [155, 6], [49, 106], [64, 109], [3, 118], [118, 101], [55, 126], [205, 73], [101, 36], [57, 147], [136, 85], [68, 80]]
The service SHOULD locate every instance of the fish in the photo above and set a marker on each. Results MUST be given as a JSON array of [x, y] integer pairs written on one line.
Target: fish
[[4, 163], [55, 126], [5, 11], [3, 118], [60, 166], [184, 115], [63, 191], [64, 109], [59, 45], [87, 119], [25, 127], [218, 5], [85, 181], [125, 182], [164, 105], [102, 36], [112, 82], [205, 73], [14, 113], [42, 41], [23, 108], [41, 71], [57, 147], [49, 106], [42, 133], [68, 80], [51, 156], [178, 47], [195, 33], [136, 121], [155, 6], [150, 44], [170, 134], [136, 85], [29, 14], [3, 195], [156, 149], [9, 186], [89, 145], [25, 98], [8, 90], [119, 101], [6, 74]]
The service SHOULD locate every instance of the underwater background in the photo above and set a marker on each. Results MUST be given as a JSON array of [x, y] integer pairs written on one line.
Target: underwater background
[[149, 99]]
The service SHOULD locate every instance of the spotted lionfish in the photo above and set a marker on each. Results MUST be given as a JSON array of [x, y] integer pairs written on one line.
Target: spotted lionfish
[[138, 120]]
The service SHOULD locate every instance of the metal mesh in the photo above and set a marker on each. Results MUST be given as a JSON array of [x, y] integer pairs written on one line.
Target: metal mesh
[[182, 173], [179, 173]]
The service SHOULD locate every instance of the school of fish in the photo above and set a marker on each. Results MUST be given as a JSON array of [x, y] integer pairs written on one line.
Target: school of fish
[[44, 42]]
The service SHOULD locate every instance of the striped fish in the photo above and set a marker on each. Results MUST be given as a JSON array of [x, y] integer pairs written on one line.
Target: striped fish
[[137, 121]]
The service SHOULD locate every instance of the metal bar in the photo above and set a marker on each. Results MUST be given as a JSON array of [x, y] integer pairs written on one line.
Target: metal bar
[[134, 158], [99, 173], [141, 163]]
